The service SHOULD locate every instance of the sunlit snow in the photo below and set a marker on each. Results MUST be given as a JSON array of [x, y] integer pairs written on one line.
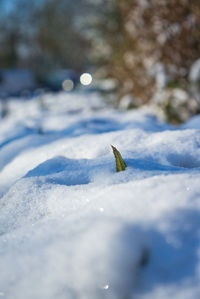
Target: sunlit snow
[[71, 227]]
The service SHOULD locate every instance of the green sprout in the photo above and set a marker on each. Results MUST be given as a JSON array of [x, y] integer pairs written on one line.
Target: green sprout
[[120, 164]]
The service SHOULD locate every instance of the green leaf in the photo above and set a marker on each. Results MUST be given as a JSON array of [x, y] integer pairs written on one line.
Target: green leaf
[[120, 164]]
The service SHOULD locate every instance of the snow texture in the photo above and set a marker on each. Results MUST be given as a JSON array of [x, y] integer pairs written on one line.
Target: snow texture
[[71, 227]]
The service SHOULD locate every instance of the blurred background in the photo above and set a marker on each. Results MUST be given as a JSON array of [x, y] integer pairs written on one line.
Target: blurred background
[[133, 52]]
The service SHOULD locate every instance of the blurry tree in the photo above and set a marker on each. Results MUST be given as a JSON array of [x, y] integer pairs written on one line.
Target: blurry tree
[[59, 40], [146, 43], [42, 35], [13, 29]]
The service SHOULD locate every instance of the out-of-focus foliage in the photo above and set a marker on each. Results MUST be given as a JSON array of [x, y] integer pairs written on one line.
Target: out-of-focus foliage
[[147, 46], [43, 36], [150, 48], [59, 38]]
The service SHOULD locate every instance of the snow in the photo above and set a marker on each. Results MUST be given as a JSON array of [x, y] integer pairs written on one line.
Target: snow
[[72, 227]]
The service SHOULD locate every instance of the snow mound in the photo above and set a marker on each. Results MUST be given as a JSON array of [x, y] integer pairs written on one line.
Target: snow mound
[[72, 227]]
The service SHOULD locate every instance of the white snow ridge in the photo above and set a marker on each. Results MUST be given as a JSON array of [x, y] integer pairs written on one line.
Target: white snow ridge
[[71, 227]]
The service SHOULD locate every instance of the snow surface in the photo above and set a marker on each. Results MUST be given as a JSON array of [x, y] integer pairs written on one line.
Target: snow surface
[[73, 228]]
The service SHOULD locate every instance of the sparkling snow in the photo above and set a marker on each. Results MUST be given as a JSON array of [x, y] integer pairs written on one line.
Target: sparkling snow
[[73, 228]]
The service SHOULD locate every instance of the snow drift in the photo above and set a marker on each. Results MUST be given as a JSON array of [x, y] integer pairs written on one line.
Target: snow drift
[[71, 227]]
